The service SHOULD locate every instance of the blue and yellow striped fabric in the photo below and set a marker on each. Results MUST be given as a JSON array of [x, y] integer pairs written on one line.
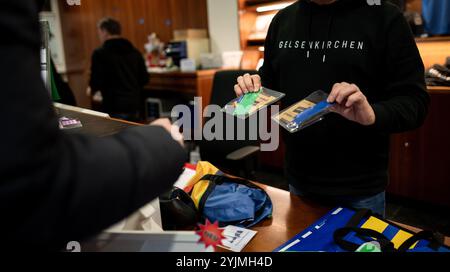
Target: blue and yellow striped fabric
[[319, 236]]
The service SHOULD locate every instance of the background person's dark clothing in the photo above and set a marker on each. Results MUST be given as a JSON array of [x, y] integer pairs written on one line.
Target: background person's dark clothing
[[311, 47], [119, 72], [64, 90], [54, 187]]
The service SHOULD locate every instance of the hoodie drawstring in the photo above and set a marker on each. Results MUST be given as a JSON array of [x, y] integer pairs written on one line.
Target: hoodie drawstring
[[330, 24], [308, 27]]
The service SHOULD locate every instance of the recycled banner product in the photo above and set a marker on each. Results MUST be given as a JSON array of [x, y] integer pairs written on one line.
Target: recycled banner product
[[229, 200], [305, 113], [250, 103], [344, 230]]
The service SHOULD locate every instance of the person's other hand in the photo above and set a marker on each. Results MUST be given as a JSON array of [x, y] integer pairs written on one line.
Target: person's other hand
[[172, 129], [351, 103], [247, 83]]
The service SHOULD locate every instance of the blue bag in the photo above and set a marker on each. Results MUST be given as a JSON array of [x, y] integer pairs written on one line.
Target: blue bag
[[346, 230], [231, 201]]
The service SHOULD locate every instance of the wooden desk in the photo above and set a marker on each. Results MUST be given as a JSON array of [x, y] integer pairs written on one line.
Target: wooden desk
[[94, 125], [291, 214], [197, 83]]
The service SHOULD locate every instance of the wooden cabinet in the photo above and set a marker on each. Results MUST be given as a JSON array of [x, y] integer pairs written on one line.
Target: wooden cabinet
[[253, 24], [188, 14], [139, 18], [420, 159], [191, 84]]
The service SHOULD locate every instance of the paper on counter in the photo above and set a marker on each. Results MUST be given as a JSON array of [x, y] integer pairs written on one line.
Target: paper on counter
[[147, 218], [184, 178], [237, 238], [150, 225]]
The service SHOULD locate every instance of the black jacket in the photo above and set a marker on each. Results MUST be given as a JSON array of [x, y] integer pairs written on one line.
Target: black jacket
[[310, 47], [119, 72], [56, 187]]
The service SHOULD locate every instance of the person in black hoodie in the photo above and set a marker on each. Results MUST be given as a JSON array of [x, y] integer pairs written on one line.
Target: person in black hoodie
[[56, 187], [365, 56], [118, 71]]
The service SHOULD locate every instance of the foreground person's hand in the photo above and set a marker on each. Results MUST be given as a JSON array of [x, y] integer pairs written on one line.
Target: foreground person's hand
[[172, 129]]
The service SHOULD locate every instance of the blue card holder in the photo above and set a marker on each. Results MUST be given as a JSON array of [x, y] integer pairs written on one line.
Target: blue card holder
[[305, 113]]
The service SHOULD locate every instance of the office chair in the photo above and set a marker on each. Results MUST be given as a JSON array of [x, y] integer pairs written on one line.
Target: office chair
[[236, 157], [154, 109]]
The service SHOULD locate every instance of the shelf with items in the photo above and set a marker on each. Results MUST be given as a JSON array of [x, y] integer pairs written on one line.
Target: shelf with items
[[255, 17]]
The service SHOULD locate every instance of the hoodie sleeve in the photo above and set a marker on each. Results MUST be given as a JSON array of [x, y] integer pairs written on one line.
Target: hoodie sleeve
[[55, 187], [144, 76], [405, 100], [266, 72], [97, 79]]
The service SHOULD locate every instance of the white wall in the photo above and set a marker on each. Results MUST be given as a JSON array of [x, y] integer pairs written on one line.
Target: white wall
[[223, 25]]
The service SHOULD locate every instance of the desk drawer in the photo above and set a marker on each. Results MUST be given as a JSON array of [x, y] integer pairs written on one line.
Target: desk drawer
[[184, 85]]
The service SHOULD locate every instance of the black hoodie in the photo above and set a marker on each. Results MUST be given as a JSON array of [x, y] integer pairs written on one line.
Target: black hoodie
[[311, 47], [119, 72], [55, 187]]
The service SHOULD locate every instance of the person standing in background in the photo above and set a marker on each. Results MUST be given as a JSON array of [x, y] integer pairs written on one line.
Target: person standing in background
[[118, 71]]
